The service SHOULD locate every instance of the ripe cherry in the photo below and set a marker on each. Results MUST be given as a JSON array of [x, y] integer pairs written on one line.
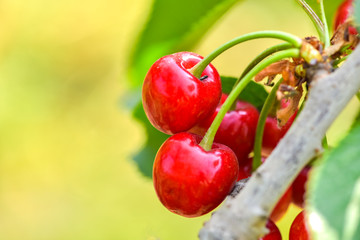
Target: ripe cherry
[[299, 229], [237, 129], [190, 181], [245, 169], [299, 187], [274, 233], [273, 133], [343, 13], [174, 99]]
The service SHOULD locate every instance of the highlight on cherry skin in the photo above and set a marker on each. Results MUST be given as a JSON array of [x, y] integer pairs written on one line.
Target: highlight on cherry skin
[[237, 129], [190, 181], [174, 100]]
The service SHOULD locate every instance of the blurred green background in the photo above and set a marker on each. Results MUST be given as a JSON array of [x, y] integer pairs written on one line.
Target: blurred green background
[[66, 136]]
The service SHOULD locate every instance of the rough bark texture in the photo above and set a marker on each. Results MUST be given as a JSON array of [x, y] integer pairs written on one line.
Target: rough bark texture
[[244, 217]]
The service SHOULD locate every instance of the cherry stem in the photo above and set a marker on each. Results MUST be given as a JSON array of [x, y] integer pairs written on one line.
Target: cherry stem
[[326, 29], [259, 58], [208, 139], [295, 41], [319, 25], [261, 124], [262, 56]]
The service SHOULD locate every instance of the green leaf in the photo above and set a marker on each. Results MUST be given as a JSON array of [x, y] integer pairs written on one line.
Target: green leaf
[[357, 14], [173, 26], [145, 157], [253, 93], [334, 192], [330, 9]]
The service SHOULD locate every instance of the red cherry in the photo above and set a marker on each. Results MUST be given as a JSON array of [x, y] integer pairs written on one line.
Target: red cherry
[[299, 229], [274, 233], [174, 99], [273, 133], [245, 169], [298, 186], [343, 13], [237, 129], [190, 181], [271, 136]]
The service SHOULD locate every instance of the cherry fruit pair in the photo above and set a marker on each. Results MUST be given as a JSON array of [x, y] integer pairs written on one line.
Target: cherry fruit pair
[[188, 179]]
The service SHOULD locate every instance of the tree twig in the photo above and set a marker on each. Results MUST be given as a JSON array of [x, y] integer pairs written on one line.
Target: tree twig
[[244, 217]]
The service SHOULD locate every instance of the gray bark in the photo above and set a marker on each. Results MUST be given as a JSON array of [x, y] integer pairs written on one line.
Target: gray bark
[[244, 217]]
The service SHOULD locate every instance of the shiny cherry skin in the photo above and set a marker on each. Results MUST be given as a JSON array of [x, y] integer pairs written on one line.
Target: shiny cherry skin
[[274, 233], [299, 187], [273, 133], [299, 229], [344, 12], [190, 181], [175, 100], [237, 129]]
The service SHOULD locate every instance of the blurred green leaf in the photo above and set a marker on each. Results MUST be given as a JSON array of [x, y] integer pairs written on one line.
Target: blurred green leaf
[[173, 26], [330, 9], [145, 157], [253, 93], [335, 192], [357, 14]]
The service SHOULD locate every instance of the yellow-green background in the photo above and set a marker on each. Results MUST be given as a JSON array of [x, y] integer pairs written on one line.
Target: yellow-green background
[[66, 138]]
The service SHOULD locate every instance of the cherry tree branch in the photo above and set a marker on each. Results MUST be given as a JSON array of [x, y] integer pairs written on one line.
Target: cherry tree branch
[[244, 216]]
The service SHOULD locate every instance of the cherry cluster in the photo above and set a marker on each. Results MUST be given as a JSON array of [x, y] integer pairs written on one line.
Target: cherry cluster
[[189, 180], [198, 165]]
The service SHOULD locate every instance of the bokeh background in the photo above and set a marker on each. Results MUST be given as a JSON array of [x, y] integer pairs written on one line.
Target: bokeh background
[[67, 136]]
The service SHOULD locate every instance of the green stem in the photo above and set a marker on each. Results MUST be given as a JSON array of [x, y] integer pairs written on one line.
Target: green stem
[[261, 124], [314, 18], [208, 139], [262, 56], [292, 39], [326, 39], [358, 95]]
